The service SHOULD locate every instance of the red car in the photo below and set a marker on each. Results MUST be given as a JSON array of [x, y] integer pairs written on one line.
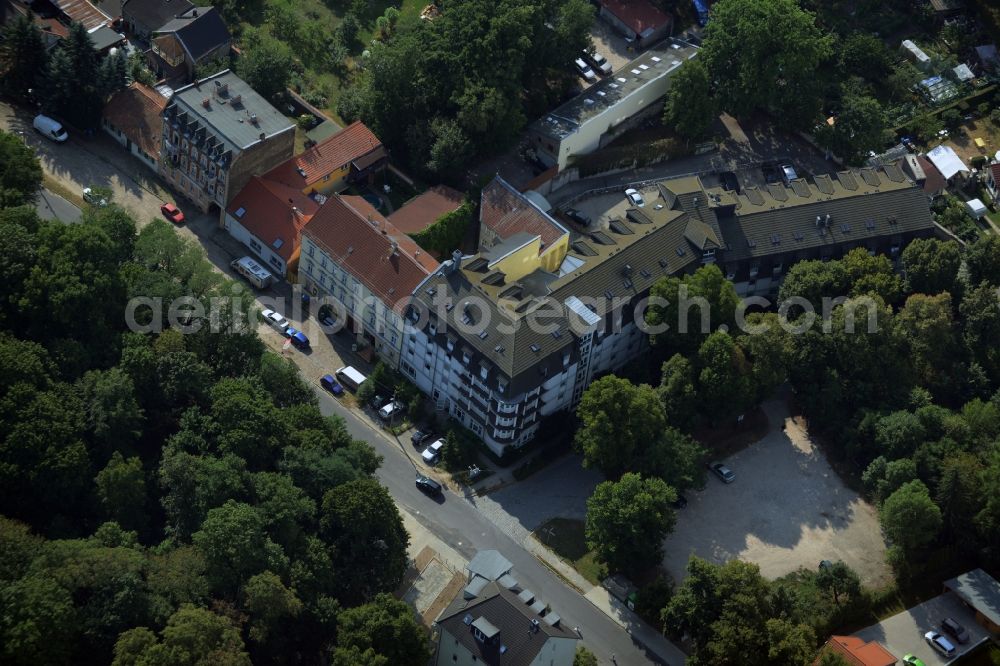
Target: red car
[[172, 213]]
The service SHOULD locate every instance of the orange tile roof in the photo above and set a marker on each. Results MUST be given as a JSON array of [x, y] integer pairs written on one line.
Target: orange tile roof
[[362, 241], [507, 212], [639, 15], [137, 111], [272, 211], [857, 652], [327, 156], [424, 209]]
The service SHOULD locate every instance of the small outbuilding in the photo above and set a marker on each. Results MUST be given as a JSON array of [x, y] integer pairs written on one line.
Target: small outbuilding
[[981, 592], [962, 73], [947, 161], [976, 208]]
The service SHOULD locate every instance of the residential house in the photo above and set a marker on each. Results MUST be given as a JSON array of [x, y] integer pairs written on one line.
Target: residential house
[[495, 625], [609, 107], [516, 332], [134, 118], [268, 217], [217, 134], [948, 163], [352, 155], [992, 180], [427, 208], [179, 46], [142, 17], [640, 21], [857, 652], [353, 256], [922, 171]]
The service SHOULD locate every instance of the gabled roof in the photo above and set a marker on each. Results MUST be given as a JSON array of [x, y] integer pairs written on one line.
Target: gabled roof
[[947, 161], [104, 38], [154, 13], [857, 652], [137, 111], [81, 11], [274, 213], [200, 29], [489, 564], [639, 15], [507, 212], [334, 153], [499, 613], [425, 209], [363, 242]]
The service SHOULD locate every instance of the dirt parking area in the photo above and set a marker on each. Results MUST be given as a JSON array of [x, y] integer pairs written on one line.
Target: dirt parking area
[[786, 509]]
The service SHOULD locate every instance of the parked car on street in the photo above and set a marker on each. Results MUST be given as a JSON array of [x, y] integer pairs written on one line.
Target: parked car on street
[[275, 320], [433, 452], [577, 216], [94, 198], [635, 197], [429, 486], [331, 385], [599, 62], [913, 660], [725, 474], [377, 401], [172, 213], [955, 630], [49, 128], [421, 437], [940, 643], [585, 70], [298, 338]]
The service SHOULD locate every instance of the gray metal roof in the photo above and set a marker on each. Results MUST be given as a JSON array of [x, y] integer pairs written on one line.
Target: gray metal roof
[[475, 586], [233, 110], [200, 29], [980, 590], [154, 13], [654, 63], [489, 564]]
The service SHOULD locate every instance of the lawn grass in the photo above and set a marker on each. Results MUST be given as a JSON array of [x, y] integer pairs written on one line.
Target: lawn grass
[[565, 538]]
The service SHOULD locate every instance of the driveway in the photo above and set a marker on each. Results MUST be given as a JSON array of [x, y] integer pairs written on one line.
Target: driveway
[[903, 633], [787, 509]]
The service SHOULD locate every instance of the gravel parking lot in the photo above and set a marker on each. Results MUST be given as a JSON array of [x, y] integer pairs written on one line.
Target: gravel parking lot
[[786, 509]]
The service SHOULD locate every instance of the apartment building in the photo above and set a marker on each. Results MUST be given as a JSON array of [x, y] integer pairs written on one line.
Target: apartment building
[[351, 254], [516, 332], [606, 109], [217, 134]]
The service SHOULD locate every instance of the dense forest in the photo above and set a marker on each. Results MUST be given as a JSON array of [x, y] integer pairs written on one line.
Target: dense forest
[[168, 497]]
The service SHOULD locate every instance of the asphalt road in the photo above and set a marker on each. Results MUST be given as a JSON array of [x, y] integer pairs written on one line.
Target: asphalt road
[[458, 523], [53, 207]]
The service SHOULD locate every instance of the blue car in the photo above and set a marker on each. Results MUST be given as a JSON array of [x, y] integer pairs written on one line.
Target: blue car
[[297, 337], [331, 385]]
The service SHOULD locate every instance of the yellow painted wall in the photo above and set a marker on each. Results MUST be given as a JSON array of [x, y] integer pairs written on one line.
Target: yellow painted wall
[[519, 263], [334, 184], [552, 257]]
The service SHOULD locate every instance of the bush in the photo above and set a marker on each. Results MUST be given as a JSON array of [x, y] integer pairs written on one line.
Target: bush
[[652, 599], [460, 450]]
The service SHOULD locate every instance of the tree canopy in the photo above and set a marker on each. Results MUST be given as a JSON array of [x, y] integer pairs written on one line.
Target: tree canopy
[[627, 521]]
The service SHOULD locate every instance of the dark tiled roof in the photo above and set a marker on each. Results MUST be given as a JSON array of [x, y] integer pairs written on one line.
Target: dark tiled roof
[[497, 609], [333, 153], [136, 111], [358, 238], [507, 212], [154, 13], [200, 29]]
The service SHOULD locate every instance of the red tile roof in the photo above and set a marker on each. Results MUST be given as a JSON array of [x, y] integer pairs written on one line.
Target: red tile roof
[[995, 171], [369, 247], [857, 652], [934, 181], [327, 156], [507, 212], [137, 111], [272, 211], [424, 209], [639, 15]]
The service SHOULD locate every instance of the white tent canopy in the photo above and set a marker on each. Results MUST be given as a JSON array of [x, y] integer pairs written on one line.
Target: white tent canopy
[[946, 161]]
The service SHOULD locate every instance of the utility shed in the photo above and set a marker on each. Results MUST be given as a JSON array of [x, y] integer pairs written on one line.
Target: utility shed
[[915, 54], [975, 208]]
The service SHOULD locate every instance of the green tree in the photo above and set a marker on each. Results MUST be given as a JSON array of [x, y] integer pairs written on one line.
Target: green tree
[[584, 657], [192, 637], [616, 418], [839, 581], [193, 484], [121, 489], [910, 518], [236, 546], [273, 610], [266, 64], [872, 275], [724, 380], [931, 266], [987, 521], [362, 525], [858, 128], [627, 521], [695, 305], [113, 413], [448, 231], [690, 107], [23, 56], [958, 496], [980, 315], [674, 457], [815, 280], [20, 172], [982, 259], [450, 147], [388, 627], [37, 622], [677, 392], [74, 86], [926, 324], [763, 55]]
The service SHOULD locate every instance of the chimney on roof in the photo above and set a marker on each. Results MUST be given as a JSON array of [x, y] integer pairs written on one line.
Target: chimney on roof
[[194, 13], [456, 260]]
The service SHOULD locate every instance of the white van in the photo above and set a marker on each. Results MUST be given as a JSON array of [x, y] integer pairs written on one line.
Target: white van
[[49, 128], [350, 377], [255, 274], [390, 410]]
